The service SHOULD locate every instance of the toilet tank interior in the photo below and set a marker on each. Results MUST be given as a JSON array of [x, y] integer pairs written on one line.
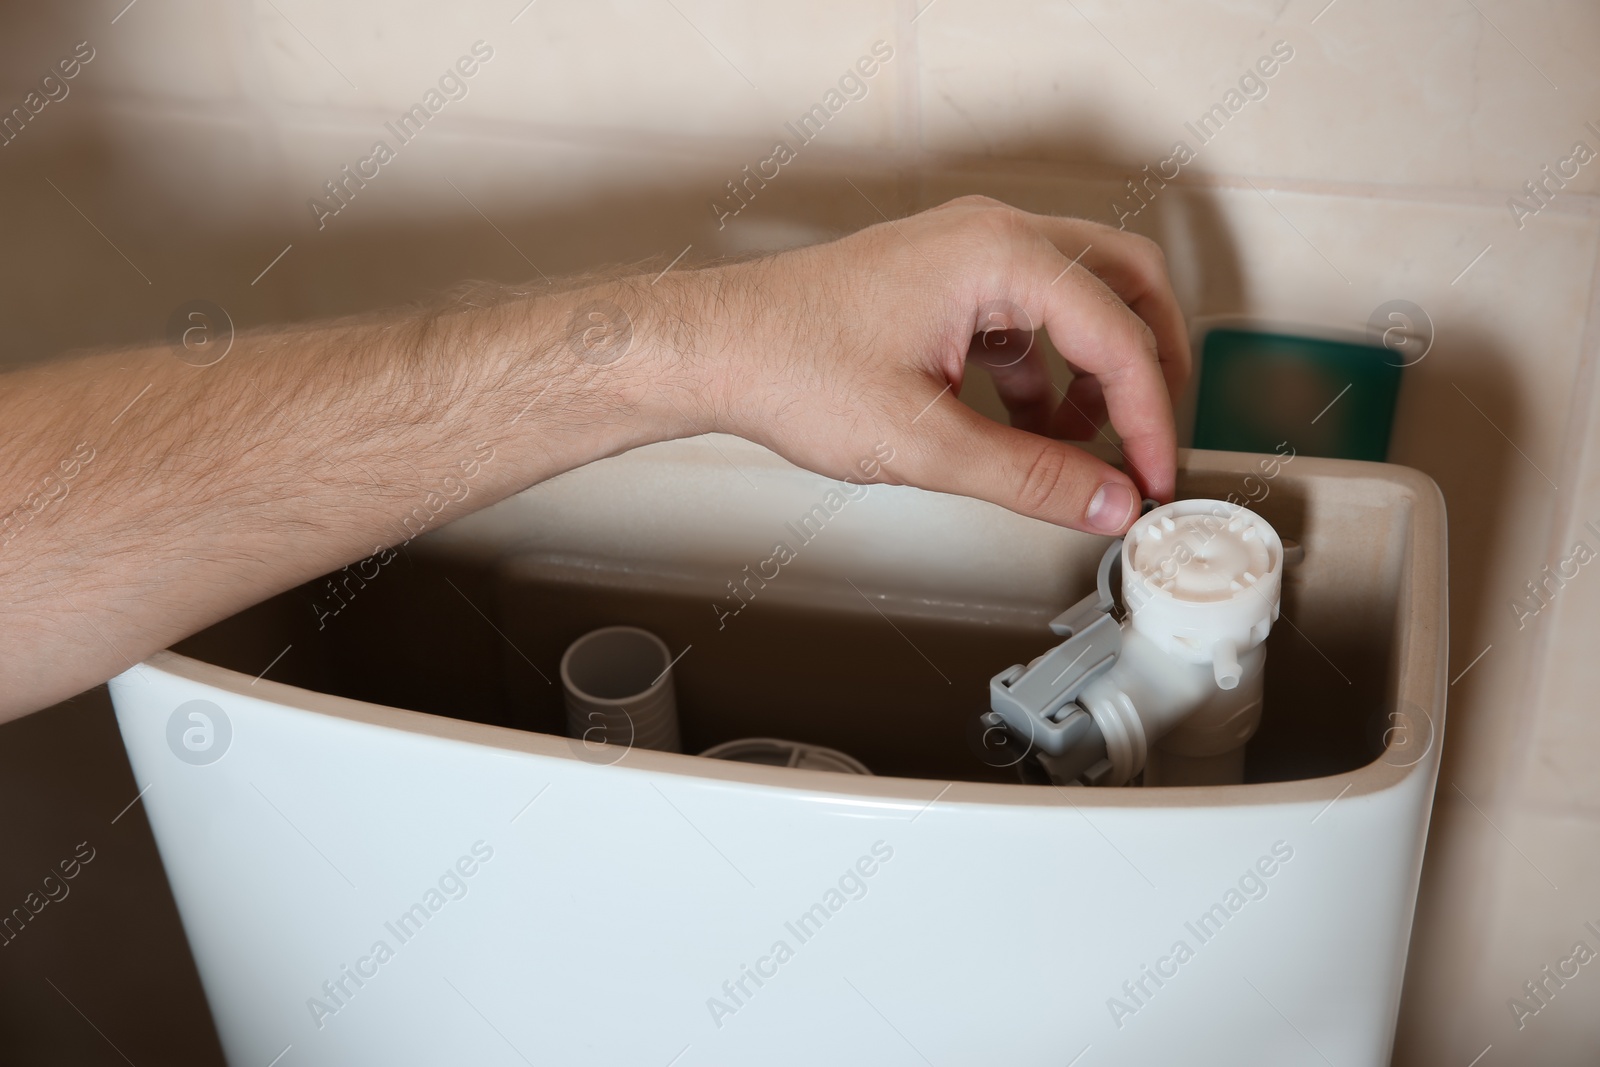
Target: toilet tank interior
[[876, 633]]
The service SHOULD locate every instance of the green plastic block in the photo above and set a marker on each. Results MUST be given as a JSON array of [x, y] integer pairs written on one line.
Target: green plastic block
[[1325, 398]]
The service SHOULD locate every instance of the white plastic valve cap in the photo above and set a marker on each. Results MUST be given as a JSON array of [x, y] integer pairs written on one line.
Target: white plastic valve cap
[[1202, 580]]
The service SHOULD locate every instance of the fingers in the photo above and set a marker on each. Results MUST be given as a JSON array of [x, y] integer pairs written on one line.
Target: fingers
[[1094, 330], [1016, 366], [953, 449], [1082, 411], [1134, 268]]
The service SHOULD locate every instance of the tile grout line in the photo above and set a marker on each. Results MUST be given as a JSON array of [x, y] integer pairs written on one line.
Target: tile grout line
[[907, 153], [1582, 427]]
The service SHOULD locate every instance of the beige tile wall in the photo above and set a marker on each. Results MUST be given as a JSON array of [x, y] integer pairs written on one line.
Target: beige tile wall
[[1377, 165]]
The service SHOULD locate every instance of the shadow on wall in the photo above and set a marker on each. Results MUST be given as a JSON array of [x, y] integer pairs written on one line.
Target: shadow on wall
[[158, 246]]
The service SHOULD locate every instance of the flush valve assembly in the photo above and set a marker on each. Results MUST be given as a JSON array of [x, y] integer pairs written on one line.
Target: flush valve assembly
[[1164, 686]]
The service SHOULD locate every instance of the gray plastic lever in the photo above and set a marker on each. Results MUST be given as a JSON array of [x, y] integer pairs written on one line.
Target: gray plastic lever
[[1038, 703]]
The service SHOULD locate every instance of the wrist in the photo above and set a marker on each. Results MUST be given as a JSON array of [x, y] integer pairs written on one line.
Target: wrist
[[650, 348], [617, 363], [584, 372], [704, 335]]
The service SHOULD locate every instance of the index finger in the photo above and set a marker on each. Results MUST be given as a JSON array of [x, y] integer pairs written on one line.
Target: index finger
[[1135, 269], [1092, 328]]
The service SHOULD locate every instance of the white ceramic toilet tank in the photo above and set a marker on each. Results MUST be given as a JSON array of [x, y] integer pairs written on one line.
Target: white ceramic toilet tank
[[459, 883]]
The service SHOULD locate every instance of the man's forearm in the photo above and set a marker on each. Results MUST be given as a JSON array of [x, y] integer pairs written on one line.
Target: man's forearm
[[148, 498], [152, 498]]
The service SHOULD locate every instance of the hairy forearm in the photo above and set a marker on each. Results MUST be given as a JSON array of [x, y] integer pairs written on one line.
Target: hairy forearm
[[147, 498], [150, 498]]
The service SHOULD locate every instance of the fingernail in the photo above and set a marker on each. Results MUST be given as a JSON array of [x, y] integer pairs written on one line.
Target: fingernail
[[1111, 507]]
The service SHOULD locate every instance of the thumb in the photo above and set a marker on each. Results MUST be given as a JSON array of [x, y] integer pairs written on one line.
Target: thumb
[[950, 448]]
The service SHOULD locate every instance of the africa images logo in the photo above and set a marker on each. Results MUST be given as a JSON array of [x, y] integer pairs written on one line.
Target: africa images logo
[[199, 732]]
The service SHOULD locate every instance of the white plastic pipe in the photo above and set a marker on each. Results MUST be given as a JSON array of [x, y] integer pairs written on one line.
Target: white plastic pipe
[[1225, 665], [617, 682]]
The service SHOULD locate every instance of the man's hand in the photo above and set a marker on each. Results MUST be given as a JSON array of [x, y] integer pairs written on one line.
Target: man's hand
[[820, 352], [150, 497]]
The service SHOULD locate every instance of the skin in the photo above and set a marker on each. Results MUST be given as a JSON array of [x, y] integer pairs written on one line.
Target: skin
[[305, 447]]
